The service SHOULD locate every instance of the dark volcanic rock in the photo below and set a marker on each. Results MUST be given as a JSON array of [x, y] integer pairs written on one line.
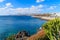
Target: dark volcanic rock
[[22, 35]]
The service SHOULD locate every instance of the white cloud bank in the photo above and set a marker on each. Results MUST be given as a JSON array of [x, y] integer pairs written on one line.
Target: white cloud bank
[[9, 10]]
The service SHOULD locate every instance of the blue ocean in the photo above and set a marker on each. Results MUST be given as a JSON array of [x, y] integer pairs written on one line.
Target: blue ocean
[[10, 25]]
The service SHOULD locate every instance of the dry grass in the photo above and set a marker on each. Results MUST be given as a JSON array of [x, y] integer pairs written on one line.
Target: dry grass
[[40, 34]]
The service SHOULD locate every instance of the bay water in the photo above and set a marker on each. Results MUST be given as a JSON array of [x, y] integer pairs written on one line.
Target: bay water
[[10, 25]]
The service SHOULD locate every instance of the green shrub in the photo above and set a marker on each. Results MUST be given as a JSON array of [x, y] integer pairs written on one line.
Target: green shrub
[[44, 38], [52, 29], [12, 37]]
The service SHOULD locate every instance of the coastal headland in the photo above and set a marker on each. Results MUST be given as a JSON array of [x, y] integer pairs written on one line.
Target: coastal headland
[[45, 16]]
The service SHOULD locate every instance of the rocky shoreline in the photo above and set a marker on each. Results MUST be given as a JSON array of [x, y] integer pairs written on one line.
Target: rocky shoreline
[[23, 35]]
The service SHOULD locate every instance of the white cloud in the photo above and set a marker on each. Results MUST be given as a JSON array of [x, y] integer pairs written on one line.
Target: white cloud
[[39, 1], [2, 0], [41, 6], [9, 5], [52, 7]]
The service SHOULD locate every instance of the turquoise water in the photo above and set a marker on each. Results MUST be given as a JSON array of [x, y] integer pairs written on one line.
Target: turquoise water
[[12, 24]]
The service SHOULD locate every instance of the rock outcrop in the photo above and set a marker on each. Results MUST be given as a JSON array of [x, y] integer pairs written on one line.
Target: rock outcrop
[[22, 35]]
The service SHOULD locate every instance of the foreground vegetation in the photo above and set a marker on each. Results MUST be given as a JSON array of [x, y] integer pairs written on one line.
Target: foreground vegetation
[[52, 29], [49, 31]]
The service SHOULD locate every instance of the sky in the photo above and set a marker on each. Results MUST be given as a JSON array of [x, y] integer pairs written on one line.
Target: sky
[[19, 7]]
